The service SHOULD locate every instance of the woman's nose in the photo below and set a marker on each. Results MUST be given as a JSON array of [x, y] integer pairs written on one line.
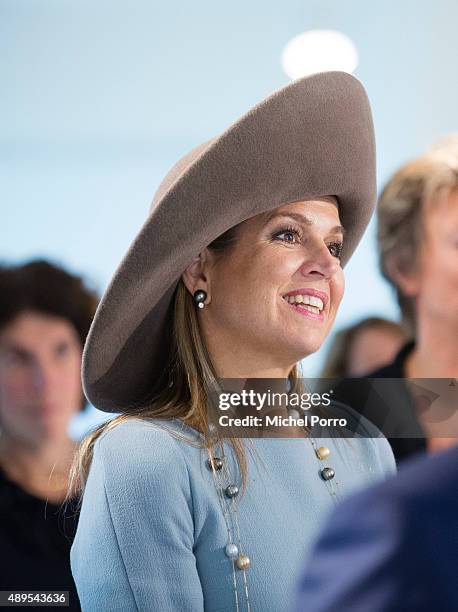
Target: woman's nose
[[320, 262], [42, 377]]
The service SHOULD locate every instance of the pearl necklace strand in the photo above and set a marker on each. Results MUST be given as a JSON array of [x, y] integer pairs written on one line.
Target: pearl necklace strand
[[227, 497], [227, 494]]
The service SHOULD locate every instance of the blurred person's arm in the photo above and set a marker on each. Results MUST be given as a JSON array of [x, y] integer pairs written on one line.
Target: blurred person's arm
[[392, 547], [350, 567]]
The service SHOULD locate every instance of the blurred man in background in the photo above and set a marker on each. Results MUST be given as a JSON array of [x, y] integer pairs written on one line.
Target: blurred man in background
[[45, 315]]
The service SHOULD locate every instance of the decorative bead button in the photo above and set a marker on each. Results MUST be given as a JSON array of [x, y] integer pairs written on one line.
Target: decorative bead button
[[327, 473], [243, 562], [217, 464], [323, 452], [231, 491], [231, 551]]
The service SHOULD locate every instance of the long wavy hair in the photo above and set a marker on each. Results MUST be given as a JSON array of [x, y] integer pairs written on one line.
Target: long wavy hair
[[184, 389]]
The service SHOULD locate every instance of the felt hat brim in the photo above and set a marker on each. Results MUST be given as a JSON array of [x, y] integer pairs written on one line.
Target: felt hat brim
[[314, 137]]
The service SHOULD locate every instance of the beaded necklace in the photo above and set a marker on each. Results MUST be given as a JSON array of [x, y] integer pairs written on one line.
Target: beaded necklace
[[227, 495]]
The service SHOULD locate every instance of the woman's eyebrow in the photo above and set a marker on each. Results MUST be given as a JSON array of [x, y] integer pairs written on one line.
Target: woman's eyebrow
[[305, 220]]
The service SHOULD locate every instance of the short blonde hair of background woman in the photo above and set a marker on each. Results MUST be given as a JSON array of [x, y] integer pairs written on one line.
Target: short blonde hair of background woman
[[400, 212]]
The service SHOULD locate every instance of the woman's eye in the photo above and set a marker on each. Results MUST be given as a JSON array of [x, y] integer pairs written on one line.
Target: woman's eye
[[62, 350], [335, 248], [288, 235], [15, 359]]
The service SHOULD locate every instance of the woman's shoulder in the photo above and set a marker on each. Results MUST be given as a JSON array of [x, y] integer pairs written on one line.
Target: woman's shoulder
[[138, 456], [137, 429], [136, 444], [354, 423], [365, 435]]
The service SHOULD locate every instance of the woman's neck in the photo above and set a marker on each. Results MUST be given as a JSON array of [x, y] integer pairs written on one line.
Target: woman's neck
[[240, 362], [42, 469], [436, 351]]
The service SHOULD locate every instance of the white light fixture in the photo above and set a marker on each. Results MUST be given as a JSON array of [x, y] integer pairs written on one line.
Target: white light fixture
[[319, 51]]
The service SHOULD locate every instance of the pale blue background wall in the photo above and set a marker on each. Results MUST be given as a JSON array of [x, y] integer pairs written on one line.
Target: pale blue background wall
[[98, 99]]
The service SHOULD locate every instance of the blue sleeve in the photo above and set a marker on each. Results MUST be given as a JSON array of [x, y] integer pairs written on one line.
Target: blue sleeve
[[385, 455], [133, 548]]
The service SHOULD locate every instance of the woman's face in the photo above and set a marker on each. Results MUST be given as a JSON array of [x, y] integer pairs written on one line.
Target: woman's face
[[436, 277], [274, 295], [372, 348], [40, 388]]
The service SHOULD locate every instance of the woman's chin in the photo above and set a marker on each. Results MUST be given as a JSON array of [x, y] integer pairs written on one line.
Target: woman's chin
[[299, 351]]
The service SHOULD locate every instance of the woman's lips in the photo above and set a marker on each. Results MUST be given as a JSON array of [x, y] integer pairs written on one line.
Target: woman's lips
[[309, 291], [307, 301], [304, 312]]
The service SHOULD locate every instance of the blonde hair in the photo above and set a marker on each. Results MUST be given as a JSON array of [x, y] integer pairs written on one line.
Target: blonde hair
[[184, 389], [400, 210]]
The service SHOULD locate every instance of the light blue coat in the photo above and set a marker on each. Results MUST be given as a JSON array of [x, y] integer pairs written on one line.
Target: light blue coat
[[152, 535]]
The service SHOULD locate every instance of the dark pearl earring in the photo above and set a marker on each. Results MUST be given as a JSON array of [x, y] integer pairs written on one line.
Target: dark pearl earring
[[199, 298]]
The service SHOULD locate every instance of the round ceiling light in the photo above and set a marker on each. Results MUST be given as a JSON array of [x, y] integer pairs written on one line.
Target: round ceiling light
[[319, 51]]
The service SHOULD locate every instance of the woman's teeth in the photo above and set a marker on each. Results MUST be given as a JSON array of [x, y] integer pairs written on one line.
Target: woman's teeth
[[307, 302]]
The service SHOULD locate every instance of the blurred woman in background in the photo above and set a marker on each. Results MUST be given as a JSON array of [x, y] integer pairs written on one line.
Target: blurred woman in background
[[418, 252], [418, 249], [45, 314], [363, 347]]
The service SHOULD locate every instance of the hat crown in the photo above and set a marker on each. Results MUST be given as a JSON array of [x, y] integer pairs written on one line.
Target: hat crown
[[177, 170]]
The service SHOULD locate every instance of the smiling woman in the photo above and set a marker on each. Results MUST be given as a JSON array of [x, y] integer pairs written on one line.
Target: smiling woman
[[236, 274], [293, 253]]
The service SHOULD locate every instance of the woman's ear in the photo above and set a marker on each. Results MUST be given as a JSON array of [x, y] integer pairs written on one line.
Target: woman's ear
[[196, 275], [406, 276]]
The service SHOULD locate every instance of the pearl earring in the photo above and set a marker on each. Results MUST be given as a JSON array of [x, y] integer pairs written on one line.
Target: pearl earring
[[199, 298]]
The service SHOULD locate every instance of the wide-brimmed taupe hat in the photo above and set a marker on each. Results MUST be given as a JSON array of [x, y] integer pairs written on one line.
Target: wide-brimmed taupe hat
[[312, 138]]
